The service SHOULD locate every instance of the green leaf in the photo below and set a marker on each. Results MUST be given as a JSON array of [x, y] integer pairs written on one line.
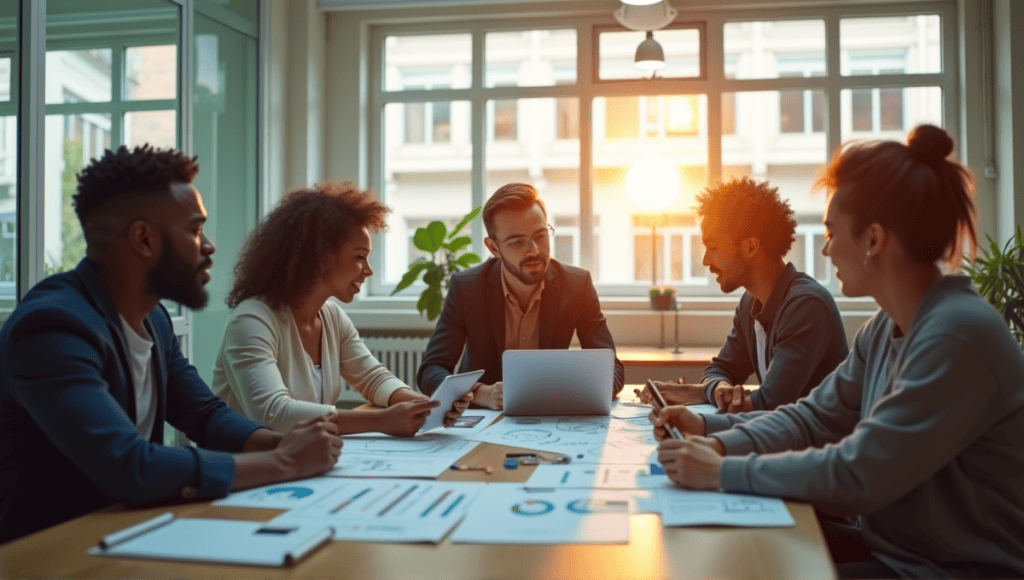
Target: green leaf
[[465, 220], [468, 259], [411, 275], [430, 237], [433, 276], [430, 302], [458, 243]]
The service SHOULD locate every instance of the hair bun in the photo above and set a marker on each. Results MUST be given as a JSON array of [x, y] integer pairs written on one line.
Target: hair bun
[[929, 143]]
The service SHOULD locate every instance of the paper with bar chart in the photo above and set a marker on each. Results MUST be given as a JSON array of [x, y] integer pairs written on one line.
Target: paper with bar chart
[[389, 510]]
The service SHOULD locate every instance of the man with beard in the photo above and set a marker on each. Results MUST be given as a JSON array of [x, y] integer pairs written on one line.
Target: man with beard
[[90, 369], [521, 298], [786, 329]]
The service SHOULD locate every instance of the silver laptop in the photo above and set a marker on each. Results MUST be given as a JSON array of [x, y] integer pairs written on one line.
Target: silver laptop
[[558, 382]]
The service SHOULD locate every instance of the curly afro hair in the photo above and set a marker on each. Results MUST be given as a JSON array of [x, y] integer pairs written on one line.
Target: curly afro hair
[[285, 256], [749, 209], [142, 170]]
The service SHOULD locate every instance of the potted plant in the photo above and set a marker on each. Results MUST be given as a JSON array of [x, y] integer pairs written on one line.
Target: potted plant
[[663, 298], [448, 254], [999, 276]]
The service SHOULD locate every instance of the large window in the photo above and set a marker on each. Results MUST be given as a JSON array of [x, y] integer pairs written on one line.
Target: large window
[[8, 158], [116, 74], [102, 91], [756, 98]]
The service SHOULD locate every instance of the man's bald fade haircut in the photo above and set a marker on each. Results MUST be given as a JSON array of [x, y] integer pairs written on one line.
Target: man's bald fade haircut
[[744, 208], [114, 182]]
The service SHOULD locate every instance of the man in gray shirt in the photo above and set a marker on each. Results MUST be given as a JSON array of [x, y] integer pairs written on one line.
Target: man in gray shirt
[[786, 330]]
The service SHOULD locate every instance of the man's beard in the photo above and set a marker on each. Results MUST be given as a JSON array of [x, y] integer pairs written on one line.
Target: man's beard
[[525, 278], [174, 279]]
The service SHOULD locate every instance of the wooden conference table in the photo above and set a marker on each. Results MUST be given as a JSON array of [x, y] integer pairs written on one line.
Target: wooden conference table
[[653, 552]]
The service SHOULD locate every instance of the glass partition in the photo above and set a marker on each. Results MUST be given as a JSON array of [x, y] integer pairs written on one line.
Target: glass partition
[[8, 158], [224, 136]]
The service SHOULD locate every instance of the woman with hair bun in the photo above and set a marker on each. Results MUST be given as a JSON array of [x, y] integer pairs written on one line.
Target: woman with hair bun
[[919, 433], [287, 346]]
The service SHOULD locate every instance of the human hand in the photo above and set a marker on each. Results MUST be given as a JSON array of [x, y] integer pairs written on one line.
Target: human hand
[[405, 419], [731, 399], [490, 396], [310, 448], [457, 409], [691, 463], [685, 420]]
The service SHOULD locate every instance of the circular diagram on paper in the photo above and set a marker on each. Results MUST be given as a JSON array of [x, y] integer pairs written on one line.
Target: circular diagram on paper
[[294, 492], [587, 425], [585, 506], [533, 507]]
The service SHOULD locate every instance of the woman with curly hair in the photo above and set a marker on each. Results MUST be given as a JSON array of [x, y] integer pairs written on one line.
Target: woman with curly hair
[[287, 346]]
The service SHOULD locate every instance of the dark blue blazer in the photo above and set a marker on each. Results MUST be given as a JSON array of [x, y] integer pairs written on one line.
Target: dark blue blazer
[[473, 318], [68, 440]]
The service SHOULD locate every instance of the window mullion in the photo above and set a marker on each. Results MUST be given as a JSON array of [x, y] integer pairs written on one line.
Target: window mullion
[[833, 86], [31, 133], [478, 136], [586, 66]]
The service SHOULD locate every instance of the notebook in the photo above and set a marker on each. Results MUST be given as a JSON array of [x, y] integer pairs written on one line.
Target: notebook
[[210, 540], [558, 382]]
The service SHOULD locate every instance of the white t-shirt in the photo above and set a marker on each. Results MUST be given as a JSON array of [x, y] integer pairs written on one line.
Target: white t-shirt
[[318, 383], [140, 359]]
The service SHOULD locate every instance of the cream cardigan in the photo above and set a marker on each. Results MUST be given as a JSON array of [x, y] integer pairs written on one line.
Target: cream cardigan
[[263, 372]]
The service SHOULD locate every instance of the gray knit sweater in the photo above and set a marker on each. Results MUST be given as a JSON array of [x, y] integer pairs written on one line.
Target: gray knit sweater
[[922, 436]]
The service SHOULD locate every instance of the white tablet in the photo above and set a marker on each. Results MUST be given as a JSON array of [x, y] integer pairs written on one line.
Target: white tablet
[[453, 388]]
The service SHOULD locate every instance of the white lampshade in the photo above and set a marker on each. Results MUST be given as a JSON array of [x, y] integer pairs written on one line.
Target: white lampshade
[[649, 55], [640, 2]]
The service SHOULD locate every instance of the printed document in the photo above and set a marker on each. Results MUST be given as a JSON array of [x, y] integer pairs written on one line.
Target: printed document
[[507, 513]]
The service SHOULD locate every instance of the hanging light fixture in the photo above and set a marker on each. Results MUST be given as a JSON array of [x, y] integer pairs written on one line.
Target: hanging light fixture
[[646, 16], [649, 54]]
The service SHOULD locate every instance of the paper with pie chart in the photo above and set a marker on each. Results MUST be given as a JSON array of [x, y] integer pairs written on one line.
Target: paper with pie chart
[[288, 495], [592, 439], [508, 513], [388, 510]]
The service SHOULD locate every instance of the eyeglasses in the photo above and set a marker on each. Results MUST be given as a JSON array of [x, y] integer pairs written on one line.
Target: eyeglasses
[[541, 239]]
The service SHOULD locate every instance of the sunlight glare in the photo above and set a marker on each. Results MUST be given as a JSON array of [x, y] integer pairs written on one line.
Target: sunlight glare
[[653, 183]]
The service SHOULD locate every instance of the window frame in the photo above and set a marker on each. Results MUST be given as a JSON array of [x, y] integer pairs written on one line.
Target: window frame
[[587, 87]]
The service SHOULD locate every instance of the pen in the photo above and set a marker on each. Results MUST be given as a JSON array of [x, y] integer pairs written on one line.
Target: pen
[[658, 402]]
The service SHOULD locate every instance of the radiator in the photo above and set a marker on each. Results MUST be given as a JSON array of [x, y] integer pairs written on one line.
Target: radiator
[[401, 355]]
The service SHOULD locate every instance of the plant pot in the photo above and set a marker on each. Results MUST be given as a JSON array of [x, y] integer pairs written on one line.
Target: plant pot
[[663, 300]]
